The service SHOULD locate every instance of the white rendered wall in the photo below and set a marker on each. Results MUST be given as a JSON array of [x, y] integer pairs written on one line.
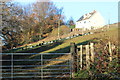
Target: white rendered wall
[[96, 21]]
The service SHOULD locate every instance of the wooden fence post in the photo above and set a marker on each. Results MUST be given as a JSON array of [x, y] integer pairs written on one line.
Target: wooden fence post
[[110, 51], [92, 51], [81, 59], [74, 60], [78, 58], [87, 57]]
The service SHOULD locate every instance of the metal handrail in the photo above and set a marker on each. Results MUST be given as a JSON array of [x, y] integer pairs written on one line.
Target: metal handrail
[[37, 73], [32, 69], [37, 60], [35, 76], [31, 53], [34, 65]]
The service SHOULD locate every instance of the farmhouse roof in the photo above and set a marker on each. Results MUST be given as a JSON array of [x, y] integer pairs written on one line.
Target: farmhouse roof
[[87, 16]]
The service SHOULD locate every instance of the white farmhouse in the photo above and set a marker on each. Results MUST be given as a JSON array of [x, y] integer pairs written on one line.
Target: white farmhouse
[[91, 20]]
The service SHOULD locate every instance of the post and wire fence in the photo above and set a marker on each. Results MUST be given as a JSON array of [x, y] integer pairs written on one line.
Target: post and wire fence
[[83, 56]]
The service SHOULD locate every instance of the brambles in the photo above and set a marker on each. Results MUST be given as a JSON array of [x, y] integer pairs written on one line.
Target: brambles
[[102, 67]]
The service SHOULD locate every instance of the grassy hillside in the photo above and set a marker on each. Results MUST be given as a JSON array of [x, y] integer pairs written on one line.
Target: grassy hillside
[[62, 31], [110, 34], [107, 33], [100, 38]]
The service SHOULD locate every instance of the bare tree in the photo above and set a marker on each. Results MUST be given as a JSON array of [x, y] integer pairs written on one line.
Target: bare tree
[[22, 25]]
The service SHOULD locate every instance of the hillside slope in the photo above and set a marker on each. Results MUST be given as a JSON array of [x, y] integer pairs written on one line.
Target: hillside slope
[[105, 34], [109, 34]]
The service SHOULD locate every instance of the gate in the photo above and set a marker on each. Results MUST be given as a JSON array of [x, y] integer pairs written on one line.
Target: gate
[[35, 65]]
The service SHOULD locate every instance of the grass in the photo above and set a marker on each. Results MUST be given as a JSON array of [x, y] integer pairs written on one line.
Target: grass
[[110, 34]]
